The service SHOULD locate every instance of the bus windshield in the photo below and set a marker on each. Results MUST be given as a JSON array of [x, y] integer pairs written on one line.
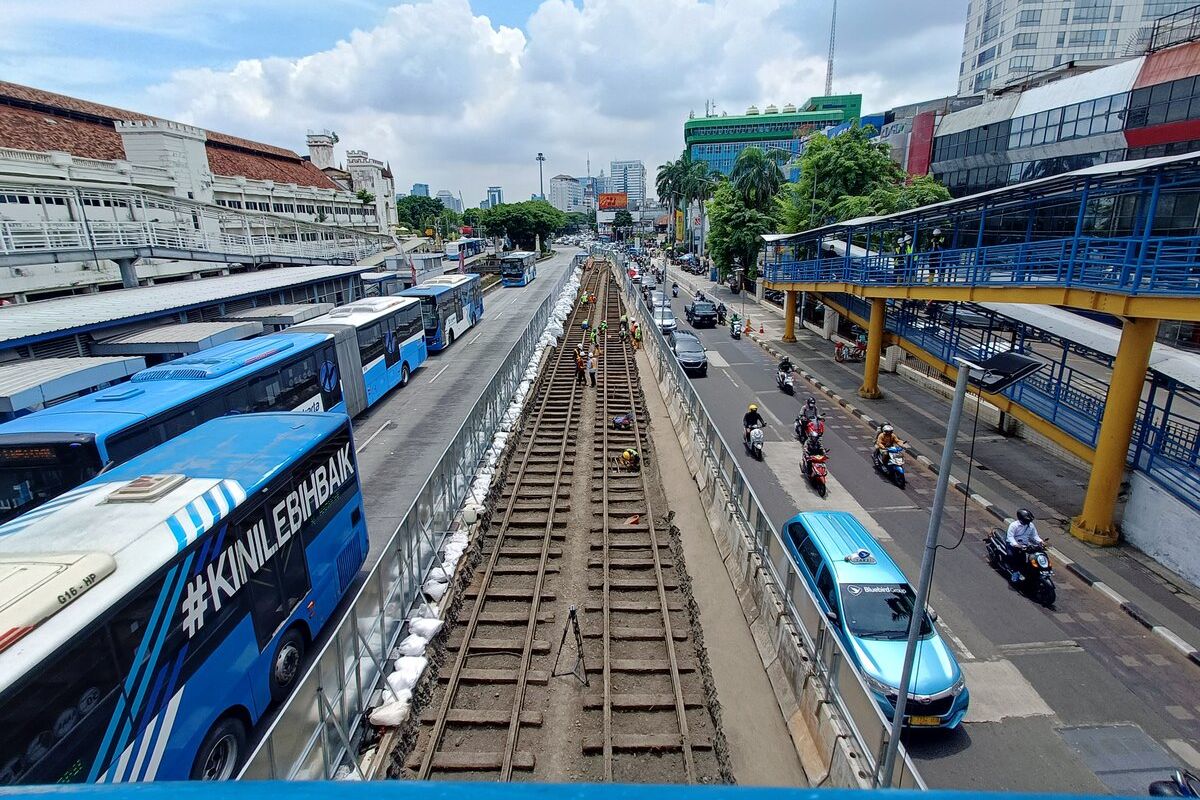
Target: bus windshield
[[33, 473]]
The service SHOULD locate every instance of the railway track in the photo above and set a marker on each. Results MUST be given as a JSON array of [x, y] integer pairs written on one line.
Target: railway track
[[567, 535]]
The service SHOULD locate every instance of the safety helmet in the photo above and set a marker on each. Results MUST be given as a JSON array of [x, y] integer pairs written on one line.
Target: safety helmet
[[937, 231], [887, 428], [754, 406], [1024, 516]]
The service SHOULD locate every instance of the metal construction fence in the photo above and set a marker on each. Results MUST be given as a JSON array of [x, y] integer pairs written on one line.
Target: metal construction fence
[[315, 730], [843, 687]]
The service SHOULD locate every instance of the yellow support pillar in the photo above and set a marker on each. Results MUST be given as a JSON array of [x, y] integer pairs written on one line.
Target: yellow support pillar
[[1095, 523], [870, 384], [789, 315]]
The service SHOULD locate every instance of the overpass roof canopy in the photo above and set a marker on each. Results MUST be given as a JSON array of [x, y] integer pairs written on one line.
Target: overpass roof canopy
[[1116, 172], [61, 316], [32, 384]]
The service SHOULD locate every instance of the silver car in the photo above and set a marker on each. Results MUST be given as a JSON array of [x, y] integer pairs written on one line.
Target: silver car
[[664, 318]]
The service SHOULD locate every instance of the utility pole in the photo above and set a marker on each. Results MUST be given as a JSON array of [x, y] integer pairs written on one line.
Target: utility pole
[[541, 188], [829, 62]]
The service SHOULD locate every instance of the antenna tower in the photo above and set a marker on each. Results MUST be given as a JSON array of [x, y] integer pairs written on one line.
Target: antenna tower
[[829, 62]]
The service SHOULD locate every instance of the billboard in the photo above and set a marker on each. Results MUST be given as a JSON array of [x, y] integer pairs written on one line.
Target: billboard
[[611, 201], [679, 226]]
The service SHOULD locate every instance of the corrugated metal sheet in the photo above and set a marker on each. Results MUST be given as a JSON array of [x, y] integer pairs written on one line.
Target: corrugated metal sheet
[[1170, 64], [66, 314], [986, 114], [30, 384], [1080, 88], [282, 314], [182, 339]]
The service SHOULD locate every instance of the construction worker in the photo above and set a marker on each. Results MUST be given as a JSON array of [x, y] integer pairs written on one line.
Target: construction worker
[[631, 459], [637, 338], [625, 323]]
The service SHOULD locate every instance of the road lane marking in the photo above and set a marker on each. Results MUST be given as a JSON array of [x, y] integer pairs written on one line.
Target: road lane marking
[[371, 438], [435, 377], [963, 651], [476, 339]]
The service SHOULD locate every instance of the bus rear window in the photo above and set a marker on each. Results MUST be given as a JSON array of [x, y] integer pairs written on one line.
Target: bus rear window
[[32, 474]]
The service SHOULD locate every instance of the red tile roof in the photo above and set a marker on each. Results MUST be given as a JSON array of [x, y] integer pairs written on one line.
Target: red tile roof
[[32, 119]]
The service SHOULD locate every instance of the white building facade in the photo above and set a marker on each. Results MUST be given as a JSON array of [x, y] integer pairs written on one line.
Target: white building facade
[[628, 177], [1006, 41], [566, 193]]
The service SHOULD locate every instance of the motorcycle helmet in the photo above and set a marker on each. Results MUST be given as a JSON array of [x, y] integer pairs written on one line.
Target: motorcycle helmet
[[754, 406], [887, 428], [1024, 516]]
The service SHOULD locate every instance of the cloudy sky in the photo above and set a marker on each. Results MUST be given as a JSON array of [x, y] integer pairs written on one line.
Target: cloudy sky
[[461, 94]]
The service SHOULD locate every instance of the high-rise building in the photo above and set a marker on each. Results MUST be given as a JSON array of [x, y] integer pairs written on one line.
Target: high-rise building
[[717, 140], [420, 190], [1005, 42], [449, 201], [495, 196], [566, 194], [628, 177]]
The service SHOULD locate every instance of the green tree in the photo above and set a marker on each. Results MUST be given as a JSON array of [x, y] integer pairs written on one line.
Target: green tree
[[448, 223], [622, 221], [669, 183], [698, 184], [524, 222], [365, 197], [418, 212], [734, 230], [578, 221], [848, 176], [472, 217], [757, 176]]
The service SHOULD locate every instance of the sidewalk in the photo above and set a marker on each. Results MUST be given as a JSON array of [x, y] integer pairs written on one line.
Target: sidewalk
[[1008, 473]]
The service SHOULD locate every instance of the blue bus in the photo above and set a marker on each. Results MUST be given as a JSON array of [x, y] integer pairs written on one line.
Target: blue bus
[[518, 268], [450, 306], [390, 336], [50, 451], [203, 570]]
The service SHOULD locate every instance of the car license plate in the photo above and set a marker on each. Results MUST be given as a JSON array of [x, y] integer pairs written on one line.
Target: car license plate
[[924, 721]]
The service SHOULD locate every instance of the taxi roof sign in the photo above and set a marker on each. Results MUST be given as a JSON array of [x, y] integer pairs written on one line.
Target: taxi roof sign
[[862, 556]]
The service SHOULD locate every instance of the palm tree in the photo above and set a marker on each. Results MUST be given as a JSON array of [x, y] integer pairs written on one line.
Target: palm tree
[[697, 184], [668, 183], [756, 175]]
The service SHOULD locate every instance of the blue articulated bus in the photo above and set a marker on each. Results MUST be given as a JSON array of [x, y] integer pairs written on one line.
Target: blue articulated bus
[[518, 268], [450, 306], [160, 609], [50, 451], [390, 336]]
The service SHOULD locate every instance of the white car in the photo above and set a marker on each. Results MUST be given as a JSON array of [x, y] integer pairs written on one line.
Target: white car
[[664, 318]]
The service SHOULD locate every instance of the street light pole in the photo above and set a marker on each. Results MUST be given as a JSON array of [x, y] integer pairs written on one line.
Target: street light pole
[[541, 188], [927, 561]]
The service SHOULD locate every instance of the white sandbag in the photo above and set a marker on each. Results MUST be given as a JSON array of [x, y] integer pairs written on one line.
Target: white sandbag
[[394, 712], [424, 626], [347, 773], [435, 589], [412, 645], [426, 611], [408, 672]]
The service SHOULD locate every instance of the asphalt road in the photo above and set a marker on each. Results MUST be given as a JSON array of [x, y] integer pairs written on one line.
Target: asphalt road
[[1076, 699]]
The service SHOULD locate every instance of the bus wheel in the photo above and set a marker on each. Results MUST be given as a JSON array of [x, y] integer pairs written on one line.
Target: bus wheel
[[450, 339], [285, 666], [221, 752], [404, 375]]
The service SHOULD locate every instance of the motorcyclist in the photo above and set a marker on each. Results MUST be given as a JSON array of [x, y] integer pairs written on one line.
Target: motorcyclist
[[735, 321], [752, 419], [886, 438], [1022, 535], [808, 413], [813, 446], [674, 290], [785, 365], [721, 312]]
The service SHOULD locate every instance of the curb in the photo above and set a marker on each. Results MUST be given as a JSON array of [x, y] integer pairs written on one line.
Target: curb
[[1145, 620]]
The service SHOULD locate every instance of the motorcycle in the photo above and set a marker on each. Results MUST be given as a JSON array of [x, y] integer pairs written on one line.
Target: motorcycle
[[1035, 576], [849, 352], [735, 328], [806, 424], [720, 315], [674, 291], [1182, 784], [891, 466], [785, 381], [815, 470], [754, 443]]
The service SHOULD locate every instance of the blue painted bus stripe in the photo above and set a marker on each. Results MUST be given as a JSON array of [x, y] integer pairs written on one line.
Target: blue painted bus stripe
[[177, 531], [194, 516], [131, 678], [158, 705]]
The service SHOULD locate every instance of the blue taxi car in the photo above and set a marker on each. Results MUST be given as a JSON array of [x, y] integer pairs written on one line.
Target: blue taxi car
[[869, 603]]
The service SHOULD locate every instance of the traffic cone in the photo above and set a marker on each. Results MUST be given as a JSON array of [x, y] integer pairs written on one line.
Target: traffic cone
[[761, 332]]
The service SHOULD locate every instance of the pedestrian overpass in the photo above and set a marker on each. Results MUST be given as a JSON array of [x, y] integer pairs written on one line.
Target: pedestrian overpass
[[48, 222], [1119, 239]]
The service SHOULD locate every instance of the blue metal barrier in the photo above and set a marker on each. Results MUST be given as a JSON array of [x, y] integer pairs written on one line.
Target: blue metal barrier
[[1166, 443], [1132, 265]]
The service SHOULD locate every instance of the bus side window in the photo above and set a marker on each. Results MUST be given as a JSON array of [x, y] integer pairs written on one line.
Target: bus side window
[[191, 416], [281, 583], [370, 343], [49, 721], [134, 441]]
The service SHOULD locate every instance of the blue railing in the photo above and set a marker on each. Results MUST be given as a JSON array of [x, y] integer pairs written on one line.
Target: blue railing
[[1165, 444], [1161, 265]]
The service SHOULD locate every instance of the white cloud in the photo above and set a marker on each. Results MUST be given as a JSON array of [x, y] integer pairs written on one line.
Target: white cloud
[[453, 100]]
